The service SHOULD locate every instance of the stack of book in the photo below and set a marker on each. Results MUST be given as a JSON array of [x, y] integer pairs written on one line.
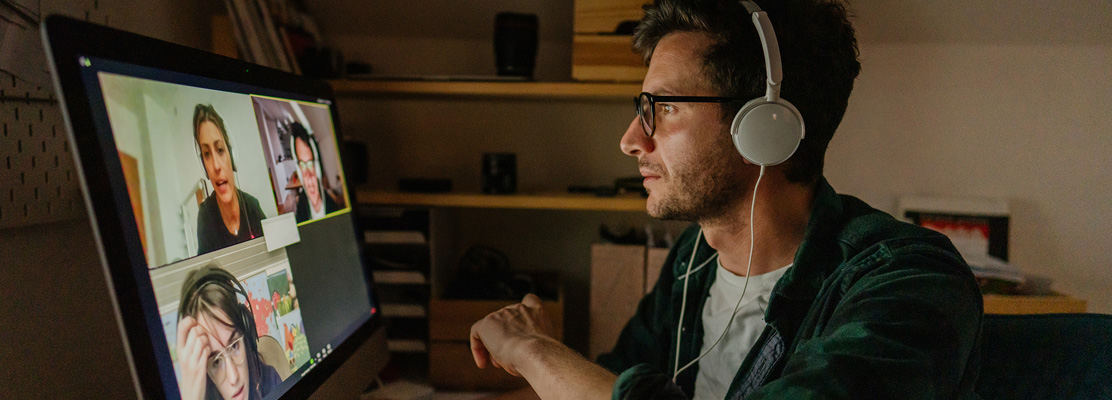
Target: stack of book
[[271, 32]]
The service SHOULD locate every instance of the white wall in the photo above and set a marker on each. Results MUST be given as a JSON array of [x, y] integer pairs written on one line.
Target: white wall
[[1028, 123], [991, 98]]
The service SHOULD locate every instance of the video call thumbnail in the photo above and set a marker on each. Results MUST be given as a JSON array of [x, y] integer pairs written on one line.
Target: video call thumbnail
[[204, 170], [204, 167]]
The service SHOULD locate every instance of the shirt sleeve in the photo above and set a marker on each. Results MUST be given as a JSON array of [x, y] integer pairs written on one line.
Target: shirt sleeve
[[906, 328]]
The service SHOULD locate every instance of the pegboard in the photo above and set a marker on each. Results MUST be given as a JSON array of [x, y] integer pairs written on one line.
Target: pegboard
[[37, 175], [38, 182]]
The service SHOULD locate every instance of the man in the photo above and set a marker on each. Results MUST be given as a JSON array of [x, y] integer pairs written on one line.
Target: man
[[844, 302], [312, 201]]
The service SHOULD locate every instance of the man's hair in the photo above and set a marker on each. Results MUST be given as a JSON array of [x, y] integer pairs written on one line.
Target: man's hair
[[818, 50], [298, 132]]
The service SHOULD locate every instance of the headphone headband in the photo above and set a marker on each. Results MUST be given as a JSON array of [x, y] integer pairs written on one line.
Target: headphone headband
[[767, 130], [773, 70]]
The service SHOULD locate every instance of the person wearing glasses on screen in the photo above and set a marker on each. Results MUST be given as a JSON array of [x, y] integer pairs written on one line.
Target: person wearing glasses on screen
[[217, 345], [782, 288], [312, 200], [228, 215]]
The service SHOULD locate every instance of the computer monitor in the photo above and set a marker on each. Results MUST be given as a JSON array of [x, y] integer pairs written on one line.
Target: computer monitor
[[219, 205]]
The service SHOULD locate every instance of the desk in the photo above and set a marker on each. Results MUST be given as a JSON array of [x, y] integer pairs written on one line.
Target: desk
[[1051, 304]]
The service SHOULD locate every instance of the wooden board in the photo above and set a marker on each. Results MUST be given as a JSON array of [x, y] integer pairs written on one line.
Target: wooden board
[[603, 16], [526, 201], [1000, 304], [606, 58]]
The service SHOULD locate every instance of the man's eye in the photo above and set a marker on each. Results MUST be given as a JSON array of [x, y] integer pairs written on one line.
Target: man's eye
[[667, 108], [217, 362]]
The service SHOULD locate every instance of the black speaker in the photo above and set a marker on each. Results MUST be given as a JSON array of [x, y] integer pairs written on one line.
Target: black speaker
[[499, 173], [515, 43]]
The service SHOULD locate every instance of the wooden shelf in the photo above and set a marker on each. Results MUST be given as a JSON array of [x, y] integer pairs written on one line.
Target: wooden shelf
[[512, 90], [1001, 304], [552, 201]]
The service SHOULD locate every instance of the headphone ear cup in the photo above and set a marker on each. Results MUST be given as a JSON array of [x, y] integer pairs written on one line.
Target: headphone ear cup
[[767, 132]]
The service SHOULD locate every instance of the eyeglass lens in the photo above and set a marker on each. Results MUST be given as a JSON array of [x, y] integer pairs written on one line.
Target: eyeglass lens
[[217, 370], [645, 110]]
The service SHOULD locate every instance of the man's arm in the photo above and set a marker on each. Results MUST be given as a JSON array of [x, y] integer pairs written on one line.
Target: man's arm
[[516, 339]]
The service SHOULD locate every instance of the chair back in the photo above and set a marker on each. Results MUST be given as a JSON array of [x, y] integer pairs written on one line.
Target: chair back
[[1046, 356], [274, 355]]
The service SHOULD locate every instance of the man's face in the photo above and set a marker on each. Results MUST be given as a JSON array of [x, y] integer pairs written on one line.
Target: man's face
[[217, 160], [221, 334], [690, 164], [307, 164]]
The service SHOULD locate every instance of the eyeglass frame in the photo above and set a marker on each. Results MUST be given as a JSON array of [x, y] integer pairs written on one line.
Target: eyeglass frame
[[653, 99], [307, 165], [227, 356]]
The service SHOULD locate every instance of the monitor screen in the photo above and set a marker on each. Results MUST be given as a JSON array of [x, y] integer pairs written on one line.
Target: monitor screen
[[230, 222]]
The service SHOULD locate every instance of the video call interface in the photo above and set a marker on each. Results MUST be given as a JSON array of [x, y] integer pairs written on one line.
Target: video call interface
[[245, 224]]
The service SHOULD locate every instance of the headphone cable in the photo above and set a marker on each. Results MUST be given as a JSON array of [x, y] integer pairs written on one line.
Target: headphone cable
[[745, 287]]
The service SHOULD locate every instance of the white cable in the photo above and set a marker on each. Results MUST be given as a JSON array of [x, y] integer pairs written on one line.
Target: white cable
[[744, 287], [683, 304]]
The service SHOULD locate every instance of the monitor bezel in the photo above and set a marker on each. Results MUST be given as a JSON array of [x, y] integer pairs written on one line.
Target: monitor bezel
[[114, 228]]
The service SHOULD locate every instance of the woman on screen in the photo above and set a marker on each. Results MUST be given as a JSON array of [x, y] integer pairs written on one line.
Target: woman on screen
[[229, 215], [312, 200], [216, 342]]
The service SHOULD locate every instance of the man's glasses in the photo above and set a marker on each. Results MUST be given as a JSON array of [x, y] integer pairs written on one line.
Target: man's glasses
[[217, 368], [306, 165], [646, 106]]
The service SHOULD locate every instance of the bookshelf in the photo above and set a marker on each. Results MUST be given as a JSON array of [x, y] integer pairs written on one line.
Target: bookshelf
[[510, 90], [525, 201]]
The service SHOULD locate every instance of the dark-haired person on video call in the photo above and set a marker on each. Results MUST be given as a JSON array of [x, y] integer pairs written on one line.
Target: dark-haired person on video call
[[217, 342], [845, 302], [312, 201], [229, 215]]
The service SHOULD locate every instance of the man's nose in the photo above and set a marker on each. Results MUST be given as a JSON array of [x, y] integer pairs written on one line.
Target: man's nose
[[634, 140]]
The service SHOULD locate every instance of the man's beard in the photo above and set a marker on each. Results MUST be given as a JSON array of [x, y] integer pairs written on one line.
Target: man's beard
[[702, 190]]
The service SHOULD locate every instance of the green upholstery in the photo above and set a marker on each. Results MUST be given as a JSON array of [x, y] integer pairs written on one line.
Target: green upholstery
[[1046, 356]]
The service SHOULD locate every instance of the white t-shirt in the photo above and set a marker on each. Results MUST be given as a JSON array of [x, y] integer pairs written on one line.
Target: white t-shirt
[[717, 369]]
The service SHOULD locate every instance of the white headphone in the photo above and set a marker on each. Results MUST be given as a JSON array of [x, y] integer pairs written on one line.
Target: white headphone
[[767, 130]]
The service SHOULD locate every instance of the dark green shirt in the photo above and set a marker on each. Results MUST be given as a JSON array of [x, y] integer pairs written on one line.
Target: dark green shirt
[[873, 308]]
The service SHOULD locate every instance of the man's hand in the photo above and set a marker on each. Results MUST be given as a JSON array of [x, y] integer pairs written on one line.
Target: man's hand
[[501, 338], [193, 352]]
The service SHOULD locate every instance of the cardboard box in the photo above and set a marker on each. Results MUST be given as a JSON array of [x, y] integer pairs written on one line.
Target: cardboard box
[[617, 285], [654, 261]]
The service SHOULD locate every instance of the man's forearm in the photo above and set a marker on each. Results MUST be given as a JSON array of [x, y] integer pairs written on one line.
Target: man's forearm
[[557, 372]]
